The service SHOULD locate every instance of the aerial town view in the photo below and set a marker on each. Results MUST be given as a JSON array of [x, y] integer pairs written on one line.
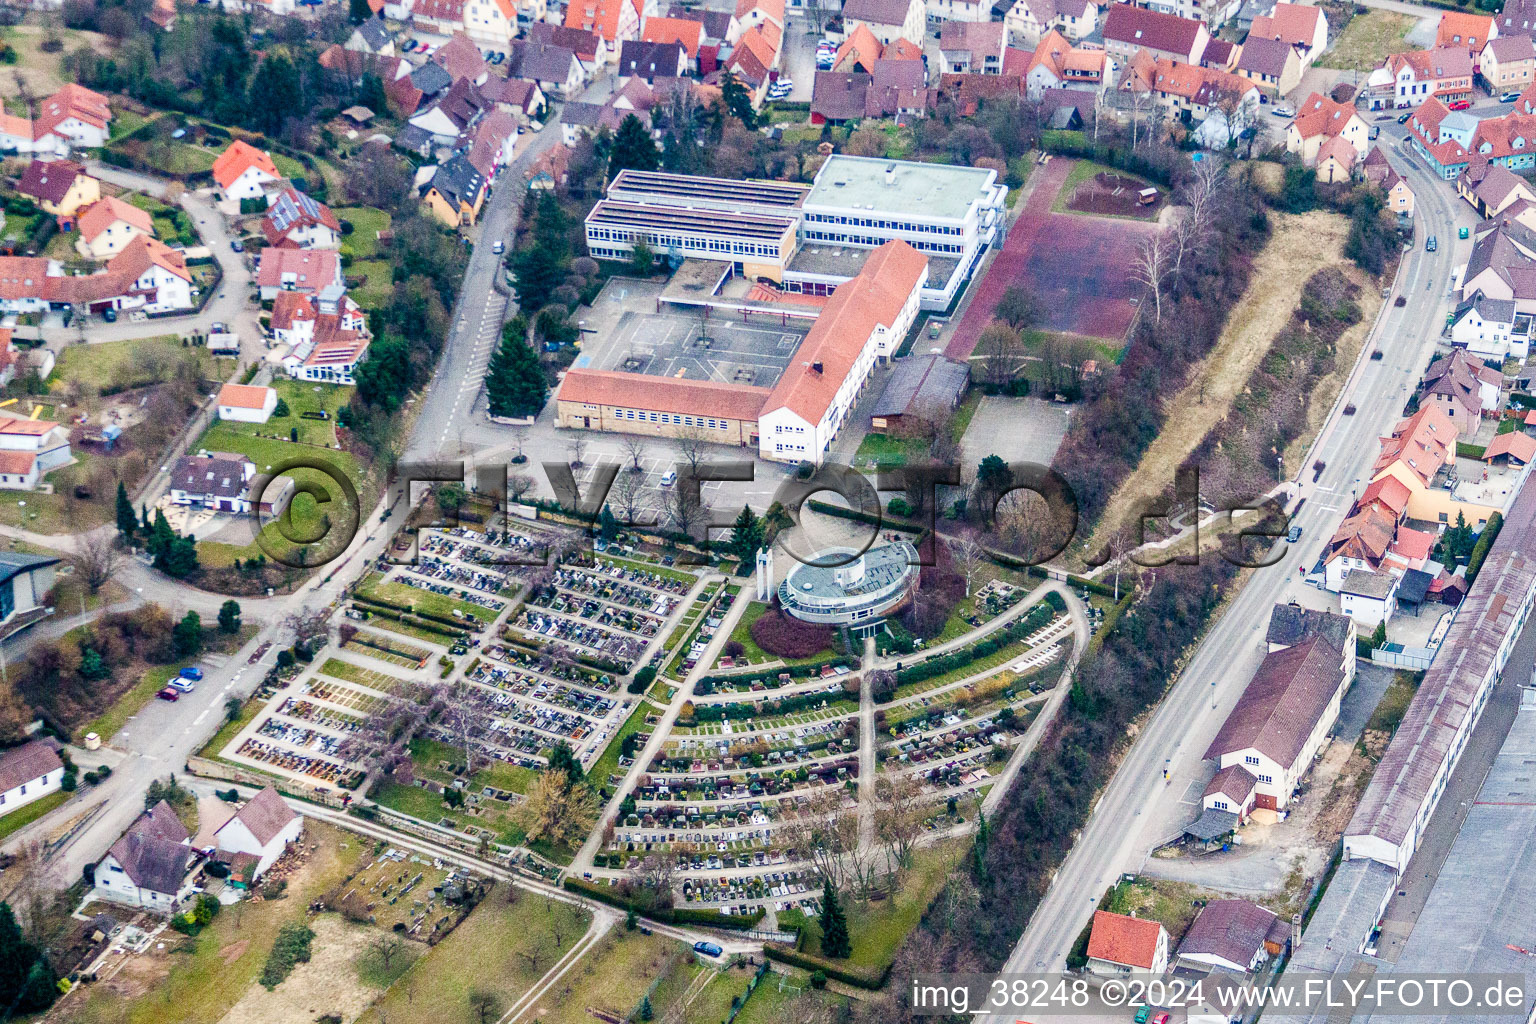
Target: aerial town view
[[767, 511]]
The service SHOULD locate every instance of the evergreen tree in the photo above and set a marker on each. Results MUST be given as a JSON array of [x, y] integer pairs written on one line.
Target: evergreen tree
[[563, 758], [359, 11], [632, 149], [537, 270], [834, 925], [979, 849], [384, 376], [179, 559], [747, 535], [127, 522], [229, 616], [737, 102], [515, 384], [370, 93], [187, 636], [646, 1013], [91, 665], [643, 257], [276, 94], [27, 982], [160, 536], [607, 525]]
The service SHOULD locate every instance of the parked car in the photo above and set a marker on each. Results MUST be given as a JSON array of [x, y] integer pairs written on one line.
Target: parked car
[[1431, 244], [1142, 1013], [237, 245], [1375, 131], [498, 247], [1161, 1018], [191, 672], [1403, 118], [1293, 535], [710, 949], [183, 685], [1461, 105], [1282, 110], [169, 693], [1509, 97], [669, 478]]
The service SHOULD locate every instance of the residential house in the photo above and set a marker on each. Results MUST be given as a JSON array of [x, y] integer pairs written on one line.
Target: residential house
[[888, 20], [489, 145], [858, 51], [332, 353], [1236, 936], [1291, 624], [296, 315], [372, 36], [456, 192], [491, 22], [942, 12], [1122, 945], [294, 220], [1302, 26], [1508, 64], [1028, 20], [1410, 78], [550, 169], [1221, 55], [584, 120], [1360, 543], [27, 283], [1419, 448], [108, 225], [74, 116], [299, 270], [1463, 387], [1491, 188], [1512, 449], [438, 17], [1128, 29], [1056, 64], [262, 828], [462, 59], [894, 88], [615, 20], [16, 134], [1195, 92], [967, 47], [245, 403], [1379, 172], [28, 772], [1502, 265], [556, 69], [1485, 328], [1320, 119], [649, 61], [1441, 138], [151, 866], [1271, 64], [1280, 723], [146, 275], [242, 171], [1370, 598], [752, 14], [684, 32], [589, 47], [1231, 791], [60, 187], [452, 113], [1470, 32], [755, 58], [518, 97], [1517, 16], [218, 481]]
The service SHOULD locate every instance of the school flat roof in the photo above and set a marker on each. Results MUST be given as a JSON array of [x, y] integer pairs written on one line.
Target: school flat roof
[[675, 218], [929, 190], [690, 190]]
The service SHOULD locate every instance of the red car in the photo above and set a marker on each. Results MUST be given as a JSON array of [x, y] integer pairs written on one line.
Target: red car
[[169, 693], [1461, 105], [1161, 1018]]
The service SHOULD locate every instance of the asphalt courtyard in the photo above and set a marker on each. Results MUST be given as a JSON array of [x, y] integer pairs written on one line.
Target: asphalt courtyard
[[694, 348], [1077, 266]]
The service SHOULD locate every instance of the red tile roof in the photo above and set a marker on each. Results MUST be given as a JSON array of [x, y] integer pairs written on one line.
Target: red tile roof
[[1282, 703], [103, 213], [1289, 23], [1461, 29], [1518, 446], [874, 297], [239, 157], [675, 30], [1423, 442], [72, 101], [662, 394], [1320, 115], [1123, 940], [244, 396], [1390, 492]]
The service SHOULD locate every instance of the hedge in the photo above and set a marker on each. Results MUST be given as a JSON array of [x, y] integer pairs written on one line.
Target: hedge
[[1092, 586], [804, 671], [1484, 542], [412, 620], [1469, 451], [870, 979], [412, 610], [1016, 630], [669, 915]]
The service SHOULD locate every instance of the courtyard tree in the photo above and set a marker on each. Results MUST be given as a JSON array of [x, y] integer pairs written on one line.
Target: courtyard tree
[[515, 384], [746, 535], [229, 616], [97, 557], [187, 637], [1017, 308], [632, 148], [127, 522]]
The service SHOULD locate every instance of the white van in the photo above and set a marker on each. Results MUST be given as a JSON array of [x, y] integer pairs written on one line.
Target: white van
[[669, 478]]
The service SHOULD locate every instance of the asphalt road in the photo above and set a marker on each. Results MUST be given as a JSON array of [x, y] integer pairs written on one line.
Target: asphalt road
[[1118, 835]]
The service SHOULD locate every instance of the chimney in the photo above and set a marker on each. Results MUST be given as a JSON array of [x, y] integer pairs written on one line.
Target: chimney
[[890, 174]]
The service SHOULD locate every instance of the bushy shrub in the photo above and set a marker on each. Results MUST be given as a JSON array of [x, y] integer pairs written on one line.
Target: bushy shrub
[[788, 637]]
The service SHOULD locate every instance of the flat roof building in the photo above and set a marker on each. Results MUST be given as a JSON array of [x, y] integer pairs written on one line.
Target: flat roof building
[[858, 592]]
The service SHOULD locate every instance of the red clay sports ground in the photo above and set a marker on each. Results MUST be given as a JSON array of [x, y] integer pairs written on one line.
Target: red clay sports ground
[[1077, 266]]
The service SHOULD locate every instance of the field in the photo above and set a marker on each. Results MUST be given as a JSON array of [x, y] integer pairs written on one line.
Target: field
[[1368, 40], [373, 292], [35, 68], [612, 978], [1300, 246], [197, 981], [511, 944], [1073, 265]]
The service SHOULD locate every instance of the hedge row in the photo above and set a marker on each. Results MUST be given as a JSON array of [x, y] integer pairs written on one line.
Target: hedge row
[[1484, 542], [806, 671], [419, 623], [1014, 631], [1092, 586], [764, 707], [670, 915], [870, 979]]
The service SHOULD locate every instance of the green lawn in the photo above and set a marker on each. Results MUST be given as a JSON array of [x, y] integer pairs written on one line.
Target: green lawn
[[367, 222], [1368, 40], [612, 977], [509, 944], [376, 291], [1081, 171], [373, 679], [768, 1004], [608, 763], [423, 600], [131, 364], [230, 729], [655, 568], [878, 928], [742, 634], [288, 167], [427, 754], [24, 816]]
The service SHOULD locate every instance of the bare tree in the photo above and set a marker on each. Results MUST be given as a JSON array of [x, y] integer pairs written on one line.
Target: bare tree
[[971, 559], [96, 558], [628, 496], [519, 438], [518, 484], [681, 510], [1201, 195], [484, 1007], [633, 446], [691, 444], [465, 719], [1004, 348], [576, 450], [386, 949], [535, 955], [308, 625], [899, 819], [1150, 267]]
